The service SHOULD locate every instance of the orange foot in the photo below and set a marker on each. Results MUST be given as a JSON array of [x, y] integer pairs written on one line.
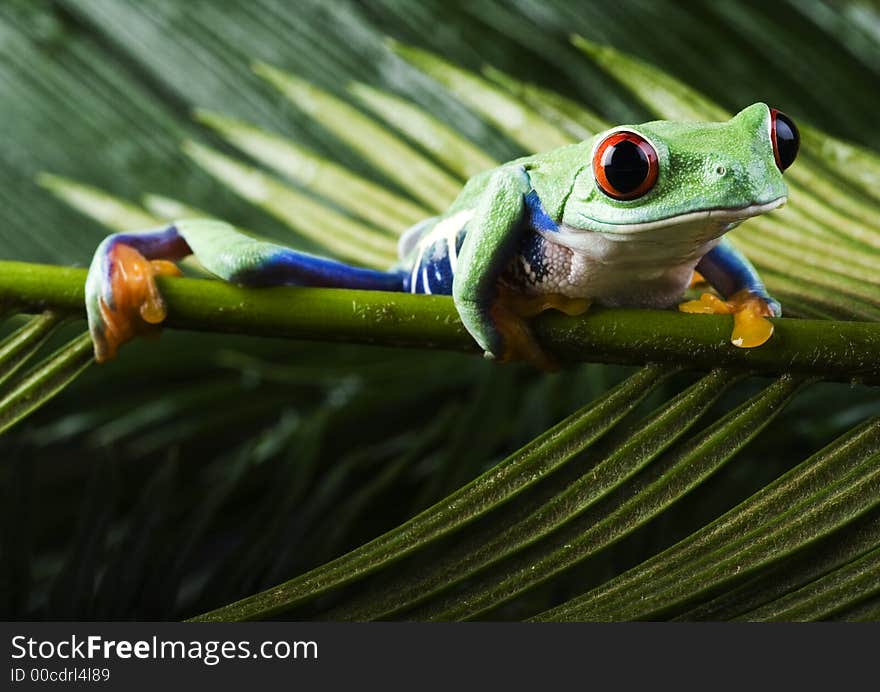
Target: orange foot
[[751, 327], [512, 308], [136, 305]]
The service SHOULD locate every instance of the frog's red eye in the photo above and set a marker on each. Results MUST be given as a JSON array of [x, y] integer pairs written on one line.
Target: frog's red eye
[[625, 165], [786, 139]]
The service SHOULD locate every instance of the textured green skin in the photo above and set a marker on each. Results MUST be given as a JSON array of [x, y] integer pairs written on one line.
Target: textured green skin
[[690, 156], [224, 251], [498, 207]]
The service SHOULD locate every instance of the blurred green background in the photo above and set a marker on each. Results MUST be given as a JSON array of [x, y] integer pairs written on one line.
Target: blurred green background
[[197, 469]]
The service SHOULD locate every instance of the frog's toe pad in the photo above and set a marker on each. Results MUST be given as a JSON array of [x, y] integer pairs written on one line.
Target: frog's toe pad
[[134, 304], [751, 327], [530, 306], [707, 304], [518, 341]]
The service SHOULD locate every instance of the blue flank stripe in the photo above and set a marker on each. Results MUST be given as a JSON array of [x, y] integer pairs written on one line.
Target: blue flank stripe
[[292, 268], [434, 274], [537, 215], [439, 274]]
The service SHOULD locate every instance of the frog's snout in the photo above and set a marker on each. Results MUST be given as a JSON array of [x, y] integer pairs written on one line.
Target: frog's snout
[[743, 184]]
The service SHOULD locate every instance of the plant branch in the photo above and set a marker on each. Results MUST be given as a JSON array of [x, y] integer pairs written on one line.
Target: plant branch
[[834, 350]]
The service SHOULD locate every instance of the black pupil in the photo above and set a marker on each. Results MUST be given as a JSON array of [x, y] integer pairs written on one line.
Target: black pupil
[[787, 140], [626, 166]]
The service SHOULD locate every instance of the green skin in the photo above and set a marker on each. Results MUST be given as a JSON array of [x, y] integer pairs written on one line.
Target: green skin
[[642, 252]]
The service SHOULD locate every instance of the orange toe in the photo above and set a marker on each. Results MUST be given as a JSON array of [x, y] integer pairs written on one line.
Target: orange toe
[[751, 327], [707, 304], [750, 324], [696, 280], [518, 340], [137, 303], [165, 268], [530, 306], [509, 313]]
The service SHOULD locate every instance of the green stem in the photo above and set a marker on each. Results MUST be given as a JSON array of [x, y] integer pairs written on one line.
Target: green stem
[[835, 350]]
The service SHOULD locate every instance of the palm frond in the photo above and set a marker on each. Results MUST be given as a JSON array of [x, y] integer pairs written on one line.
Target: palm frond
[[670, 495], [21, 397]]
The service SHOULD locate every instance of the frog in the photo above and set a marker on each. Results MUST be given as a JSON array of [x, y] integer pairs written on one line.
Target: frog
[[631, 217]]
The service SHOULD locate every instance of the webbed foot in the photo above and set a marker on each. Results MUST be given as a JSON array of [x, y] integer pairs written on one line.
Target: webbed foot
[[751, 327], [509, 313], [122, 299]]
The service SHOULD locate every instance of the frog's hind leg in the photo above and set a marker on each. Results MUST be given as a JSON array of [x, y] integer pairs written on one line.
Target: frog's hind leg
[[238, 258], [512, 308], [121, 295], [122, 299], [531, 306]]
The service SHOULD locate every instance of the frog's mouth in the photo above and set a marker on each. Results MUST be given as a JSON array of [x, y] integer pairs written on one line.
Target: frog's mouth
[[722, 218]]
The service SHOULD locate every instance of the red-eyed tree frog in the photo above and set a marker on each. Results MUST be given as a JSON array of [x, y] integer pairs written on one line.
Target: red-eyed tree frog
[[623, 219]]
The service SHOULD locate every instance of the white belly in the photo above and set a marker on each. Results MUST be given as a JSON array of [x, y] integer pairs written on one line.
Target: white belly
[[644, 270]]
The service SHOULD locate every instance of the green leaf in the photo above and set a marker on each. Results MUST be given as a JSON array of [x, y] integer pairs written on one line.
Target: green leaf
[[502, 483], [45, 381], [524, 125], [17, 348], [390, 154], [366, 482], [831, 488], [357, 195], [440, 141]]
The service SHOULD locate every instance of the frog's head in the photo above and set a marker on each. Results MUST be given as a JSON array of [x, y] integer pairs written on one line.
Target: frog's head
[[696, 179]]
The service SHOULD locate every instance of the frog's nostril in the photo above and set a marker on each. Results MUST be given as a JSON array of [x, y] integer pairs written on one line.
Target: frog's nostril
[[720, 171]]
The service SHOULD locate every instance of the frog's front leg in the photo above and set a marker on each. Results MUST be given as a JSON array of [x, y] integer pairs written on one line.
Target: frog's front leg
[[494, 232], [746, 297]]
